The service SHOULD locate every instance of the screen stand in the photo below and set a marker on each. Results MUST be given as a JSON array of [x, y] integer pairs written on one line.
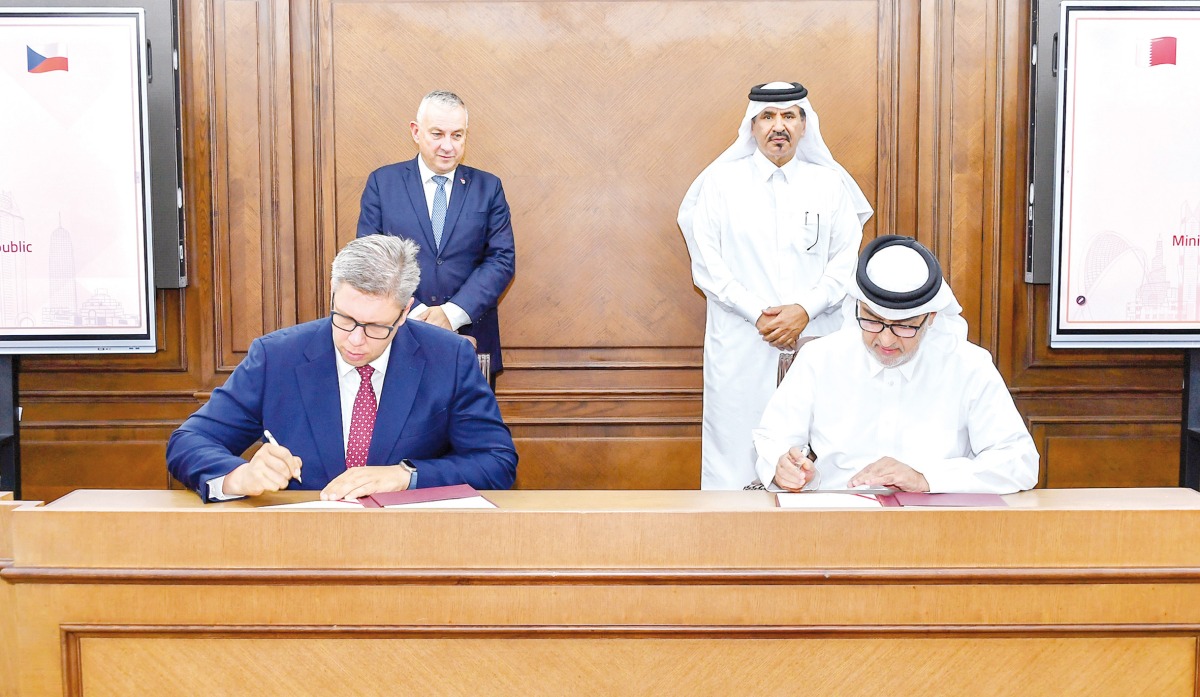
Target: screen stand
[[1189, 460], [10, 436]]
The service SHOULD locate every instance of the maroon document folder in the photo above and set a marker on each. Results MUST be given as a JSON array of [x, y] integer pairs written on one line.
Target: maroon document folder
[[912, 498], [433, 493]]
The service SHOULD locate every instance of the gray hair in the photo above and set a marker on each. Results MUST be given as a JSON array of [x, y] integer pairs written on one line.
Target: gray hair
[[442, 98], [379, 265]]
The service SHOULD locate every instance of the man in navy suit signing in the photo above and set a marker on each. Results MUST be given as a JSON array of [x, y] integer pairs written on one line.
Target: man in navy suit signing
[[353, 404], [459, 218]]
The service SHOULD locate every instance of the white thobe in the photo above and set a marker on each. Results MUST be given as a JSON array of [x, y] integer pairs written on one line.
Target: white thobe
[[946, 413], [762, 236]]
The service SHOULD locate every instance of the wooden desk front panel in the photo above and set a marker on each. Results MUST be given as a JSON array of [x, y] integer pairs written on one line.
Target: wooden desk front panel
[[8, 604], [536, 662], [610, 607]]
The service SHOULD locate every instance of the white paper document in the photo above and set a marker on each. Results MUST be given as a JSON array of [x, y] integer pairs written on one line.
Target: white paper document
[[818, 499], [319, 504]]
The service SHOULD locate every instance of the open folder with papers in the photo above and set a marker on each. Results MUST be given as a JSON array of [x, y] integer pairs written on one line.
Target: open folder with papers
[[892, 499], [915, 498], [457, 496]]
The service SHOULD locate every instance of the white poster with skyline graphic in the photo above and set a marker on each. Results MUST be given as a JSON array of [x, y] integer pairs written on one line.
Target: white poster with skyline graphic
[[1127, 256], [74, 249]]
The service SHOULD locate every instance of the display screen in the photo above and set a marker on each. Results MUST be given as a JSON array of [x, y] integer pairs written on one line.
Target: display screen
[[1127, 256], [75, 264]]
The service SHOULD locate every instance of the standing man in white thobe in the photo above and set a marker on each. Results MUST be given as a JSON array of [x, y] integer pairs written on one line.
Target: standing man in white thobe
[[773, 227]]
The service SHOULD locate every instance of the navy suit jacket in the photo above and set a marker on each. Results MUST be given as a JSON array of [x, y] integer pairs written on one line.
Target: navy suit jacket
[[477, 259], [436, 410]]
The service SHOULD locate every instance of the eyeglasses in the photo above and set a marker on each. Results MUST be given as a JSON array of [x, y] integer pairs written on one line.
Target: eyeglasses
[[901, 331], [373, 331]]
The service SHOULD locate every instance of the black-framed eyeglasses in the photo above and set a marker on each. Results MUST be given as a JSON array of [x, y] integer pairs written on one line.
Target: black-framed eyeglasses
[[901, 331], [373, 331]]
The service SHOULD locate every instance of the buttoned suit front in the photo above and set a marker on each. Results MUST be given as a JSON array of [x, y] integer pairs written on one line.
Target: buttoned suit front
[[477, 257]]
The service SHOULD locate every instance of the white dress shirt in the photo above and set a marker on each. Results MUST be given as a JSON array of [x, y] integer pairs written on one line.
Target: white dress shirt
[[349, 380], [946, 413], [457, 316]]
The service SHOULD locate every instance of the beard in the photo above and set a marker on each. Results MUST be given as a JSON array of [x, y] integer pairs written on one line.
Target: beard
[[896, 360]]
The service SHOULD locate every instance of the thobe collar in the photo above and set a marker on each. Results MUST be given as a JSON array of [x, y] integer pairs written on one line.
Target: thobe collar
[[906, 369], [764, 169], [427, 174]]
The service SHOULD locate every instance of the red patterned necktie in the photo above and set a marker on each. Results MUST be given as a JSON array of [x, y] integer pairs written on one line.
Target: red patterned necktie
[[362, 420]]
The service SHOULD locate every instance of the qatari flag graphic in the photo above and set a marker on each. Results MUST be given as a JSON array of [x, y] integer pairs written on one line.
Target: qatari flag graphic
[[1162, 51]]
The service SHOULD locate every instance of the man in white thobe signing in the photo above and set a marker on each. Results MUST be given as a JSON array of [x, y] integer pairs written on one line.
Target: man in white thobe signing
[[773, 227], [901, 399]]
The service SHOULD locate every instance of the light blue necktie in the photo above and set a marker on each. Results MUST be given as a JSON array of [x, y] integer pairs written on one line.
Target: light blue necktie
[[439, 209]]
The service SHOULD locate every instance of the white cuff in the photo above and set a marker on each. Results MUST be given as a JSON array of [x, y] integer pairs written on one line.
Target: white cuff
[[216, 490], [456, 315]]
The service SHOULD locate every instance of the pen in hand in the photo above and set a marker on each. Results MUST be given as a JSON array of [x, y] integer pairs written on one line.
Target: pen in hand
[[271, 439]]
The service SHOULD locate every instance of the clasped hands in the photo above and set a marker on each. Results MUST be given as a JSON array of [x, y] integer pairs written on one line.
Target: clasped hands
[[436, 316], [780, 326], [795, 469], [273, 466]]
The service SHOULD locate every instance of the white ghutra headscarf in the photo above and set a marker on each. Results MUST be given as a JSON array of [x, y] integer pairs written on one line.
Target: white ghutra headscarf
[[811, 148], [898, 278]]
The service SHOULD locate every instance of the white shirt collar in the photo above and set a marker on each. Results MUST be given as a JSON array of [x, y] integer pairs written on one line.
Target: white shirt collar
[[379, 364], [428, 174]]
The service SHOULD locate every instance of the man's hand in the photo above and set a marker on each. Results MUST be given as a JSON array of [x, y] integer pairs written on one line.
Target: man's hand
[[794, 469], [888, 471], [271, 468], [437, 316], [361, 481], [780, 326]]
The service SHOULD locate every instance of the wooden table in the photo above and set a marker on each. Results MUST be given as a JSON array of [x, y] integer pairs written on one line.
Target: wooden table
[[1063, 592]]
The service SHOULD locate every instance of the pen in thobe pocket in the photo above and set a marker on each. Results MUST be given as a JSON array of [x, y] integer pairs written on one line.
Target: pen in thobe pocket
[[271, 439]]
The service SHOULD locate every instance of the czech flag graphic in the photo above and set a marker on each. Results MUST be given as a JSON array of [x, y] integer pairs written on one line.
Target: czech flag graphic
[[46, 58]]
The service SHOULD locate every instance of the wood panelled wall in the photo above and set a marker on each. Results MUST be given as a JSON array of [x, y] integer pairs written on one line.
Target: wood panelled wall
[[597, 116]]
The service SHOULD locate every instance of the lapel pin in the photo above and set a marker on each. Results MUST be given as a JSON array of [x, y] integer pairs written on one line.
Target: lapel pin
[[462, 180]]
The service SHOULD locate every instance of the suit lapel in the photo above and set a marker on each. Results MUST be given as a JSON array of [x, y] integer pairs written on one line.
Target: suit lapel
[[405, 367], [416, 195], [321, 395], [462, 185]]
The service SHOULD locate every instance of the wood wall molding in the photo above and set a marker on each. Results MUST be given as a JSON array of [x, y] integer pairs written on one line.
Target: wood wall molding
[[254, 289]]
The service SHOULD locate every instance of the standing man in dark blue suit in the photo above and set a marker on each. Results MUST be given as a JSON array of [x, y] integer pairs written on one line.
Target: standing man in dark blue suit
[[458, 216], [310, 390]]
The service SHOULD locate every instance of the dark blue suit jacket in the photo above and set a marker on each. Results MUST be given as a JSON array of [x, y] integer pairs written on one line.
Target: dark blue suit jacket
[[477, 258], [436, 410]]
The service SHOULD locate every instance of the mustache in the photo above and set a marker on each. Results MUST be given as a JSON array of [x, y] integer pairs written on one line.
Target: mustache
[[784, 134]]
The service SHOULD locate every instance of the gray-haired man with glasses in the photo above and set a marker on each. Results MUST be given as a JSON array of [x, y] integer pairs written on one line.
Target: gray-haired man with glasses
[[353, 404], [902, 400]]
